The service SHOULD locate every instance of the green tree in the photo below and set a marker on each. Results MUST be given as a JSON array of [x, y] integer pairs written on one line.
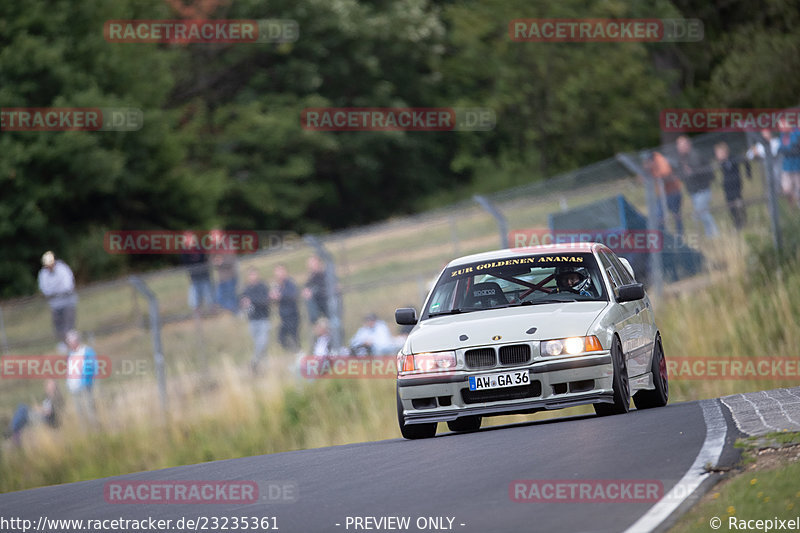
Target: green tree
[[62, 190], [558, 105], [349, 54]]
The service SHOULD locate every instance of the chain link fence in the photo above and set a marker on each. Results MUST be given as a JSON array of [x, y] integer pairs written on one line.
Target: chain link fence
[[386, 265]]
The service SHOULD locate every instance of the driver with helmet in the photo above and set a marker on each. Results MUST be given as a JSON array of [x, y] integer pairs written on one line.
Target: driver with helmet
[[573, 281]]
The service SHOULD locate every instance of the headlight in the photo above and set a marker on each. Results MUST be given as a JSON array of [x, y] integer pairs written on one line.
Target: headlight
[[428, 361], [570, 346]]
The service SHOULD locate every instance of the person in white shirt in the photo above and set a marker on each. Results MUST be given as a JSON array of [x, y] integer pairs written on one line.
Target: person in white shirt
[[322, 338], [757, 152], [57, 283], [373, 338]]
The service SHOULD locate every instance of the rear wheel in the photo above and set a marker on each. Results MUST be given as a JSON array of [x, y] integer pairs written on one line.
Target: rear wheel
[[413, 431], [658, 397], [622, 389], [465, 423]]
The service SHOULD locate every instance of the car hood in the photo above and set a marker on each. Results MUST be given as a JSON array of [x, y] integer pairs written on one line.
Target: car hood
[[502, 326]]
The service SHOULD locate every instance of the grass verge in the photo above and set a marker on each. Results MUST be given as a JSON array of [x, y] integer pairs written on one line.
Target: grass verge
[[765, 488]]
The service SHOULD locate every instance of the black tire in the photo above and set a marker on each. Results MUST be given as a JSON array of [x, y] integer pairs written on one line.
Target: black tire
[[465, 423], [414, 431], [658, 397], [622, 388]]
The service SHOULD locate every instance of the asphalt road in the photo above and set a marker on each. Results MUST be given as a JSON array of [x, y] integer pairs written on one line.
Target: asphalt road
[[460, 477]]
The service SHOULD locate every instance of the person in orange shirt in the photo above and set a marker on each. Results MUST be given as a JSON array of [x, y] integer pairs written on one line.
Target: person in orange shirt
[[668, 191]]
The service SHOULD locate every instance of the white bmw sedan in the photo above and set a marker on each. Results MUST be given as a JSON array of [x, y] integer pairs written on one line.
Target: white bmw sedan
[[522, 330]]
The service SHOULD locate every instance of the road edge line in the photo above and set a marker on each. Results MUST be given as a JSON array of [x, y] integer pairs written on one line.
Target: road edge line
[[710, 452]]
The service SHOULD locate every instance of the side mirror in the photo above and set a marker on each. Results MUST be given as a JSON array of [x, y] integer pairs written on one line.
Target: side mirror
[[629, 293], [405, 316]]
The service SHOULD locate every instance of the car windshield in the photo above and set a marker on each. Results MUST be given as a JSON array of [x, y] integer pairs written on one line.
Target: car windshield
[[516, 281]]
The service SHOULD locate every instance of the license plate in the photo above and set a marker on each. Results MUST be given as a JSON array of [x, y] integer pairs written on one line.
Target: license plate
[[499, 380]]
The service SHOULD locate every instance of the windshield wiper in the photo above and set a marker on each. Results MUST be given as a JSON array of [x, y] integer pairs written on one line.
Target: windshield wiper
[[535, 302], [451, 312]]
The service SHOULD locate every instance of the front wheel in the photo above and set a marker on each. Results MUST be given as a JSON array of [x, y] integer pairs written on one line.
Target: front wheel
[[622, 389], [658, 397], [413, 431]]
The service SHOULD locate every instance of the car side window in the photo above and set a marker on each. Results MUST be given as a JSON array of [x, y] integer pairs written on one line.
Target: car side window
[[442, 299], [625, 276], [614, 275], [609, 268]]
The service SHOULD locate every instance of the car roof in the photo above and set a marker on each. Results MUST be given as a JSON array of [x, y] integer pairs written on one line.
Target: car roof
[[530, 250]]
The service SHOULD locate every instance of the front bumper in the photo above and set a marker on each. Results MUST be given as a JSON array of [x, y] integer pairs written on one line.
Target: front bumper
[[554, 384]]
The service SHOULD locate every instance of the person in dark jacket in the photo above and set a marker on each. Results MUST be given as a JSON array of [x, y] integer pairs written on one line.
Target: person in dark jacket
[[254, 300], [697, 179], [315, 291], [227, 270], [201, 291], [731, 184], [285, 293]]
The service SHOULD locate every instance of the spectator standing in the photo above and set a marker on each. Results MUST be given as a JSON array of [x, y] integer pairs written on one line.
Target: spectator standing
[[790, 150], [57, 283], [201, 294], [82, 365], [668, 191], [226, 266], [255, 301], [757, 152], [285, 293], [697, 179], [731, 184], [315, 292]]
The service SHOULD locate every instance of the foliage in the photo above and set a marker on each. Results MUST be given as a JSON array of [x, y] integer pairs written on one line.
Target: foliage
[[222, 143]]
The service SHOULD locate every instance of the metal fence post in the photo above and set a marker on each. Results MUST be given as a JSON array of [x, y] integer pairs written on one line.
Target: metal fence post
[[3, 337], [502, 223], [656, 264], [772, 199], [332, 288], [155, 330]]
